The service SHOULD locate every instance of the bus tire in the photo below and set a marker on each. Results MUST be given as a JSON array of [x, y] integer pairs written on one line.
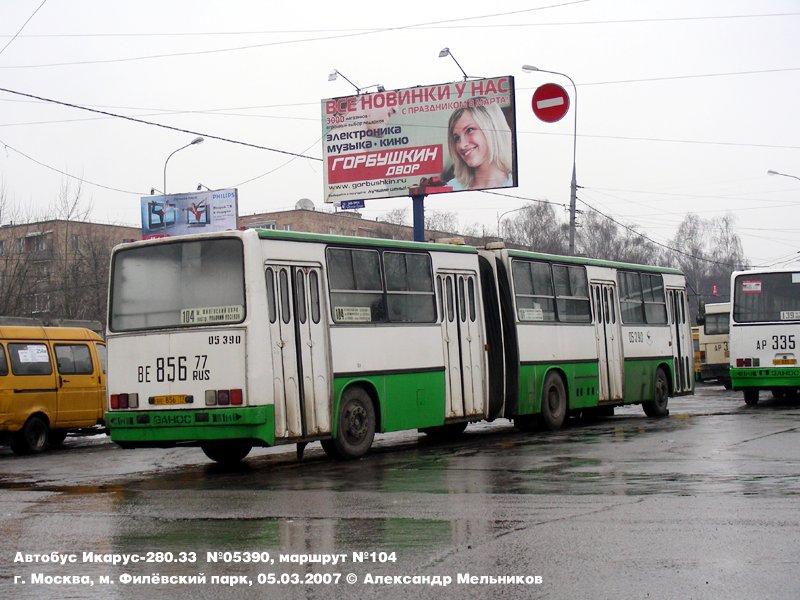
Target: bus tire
[[554, 402], [226, 453], [356, 426], [34, 437], [751, 397], [526, 423], [657, 407]]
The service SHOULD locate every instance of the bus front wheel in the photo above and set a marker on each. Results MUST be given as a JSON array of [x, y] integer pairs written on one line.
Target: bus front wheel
[[32, 438], [751, 397], [657, 407], [554, 402], [226, 453], [356, 428]]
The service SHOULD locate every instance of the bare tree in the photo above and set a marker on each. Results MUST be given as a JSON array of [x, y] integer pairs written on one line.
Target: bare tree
[[397, 216], [708, 251], [439, 220], [537, 227]]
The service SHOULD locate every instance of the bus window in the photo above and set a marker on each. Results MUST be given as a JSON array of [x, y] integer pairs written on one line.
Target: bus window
[[73, 359], [533, 287], [3, 363], [354, 277], [30, 359], [300, 296], [313, 288], [572, 294], [462, 301], [471, 294], [271, 308], [283, 285], [409, 287], [450, 309]]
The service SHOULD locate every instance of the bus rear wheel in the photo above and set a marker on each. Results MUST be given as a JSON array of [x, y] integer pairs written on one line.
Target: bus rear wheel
[[751, 397], [554, 402], [226, 453], [356, 427], [34, 437], [657, 407]]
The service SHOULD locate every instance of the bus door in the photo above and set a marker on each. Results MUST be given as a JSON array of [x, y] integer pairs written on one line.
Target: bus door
[[681, 340], [300, 350], [608, 335], [463, 348]]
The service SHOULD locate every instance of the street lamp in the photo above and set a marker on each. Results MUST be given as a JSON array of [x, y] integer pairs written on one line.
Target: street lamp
[[782, 174], [335, 73], [573, 189], [508, 212], [446, 52], [197, 140]]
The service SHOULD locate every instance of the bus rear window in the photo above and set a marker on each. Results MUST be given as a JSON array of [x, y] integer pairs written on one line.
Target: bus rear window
[[177, 284]]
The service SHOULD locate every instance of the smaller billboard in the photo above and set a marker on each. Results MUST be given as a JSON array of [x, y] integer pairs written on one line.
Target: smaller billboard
[[181, 214], [423, 140]]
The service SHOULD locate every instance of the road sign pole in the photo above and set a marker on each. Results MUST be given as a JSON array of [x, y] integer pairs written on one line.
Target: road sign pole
[[419, 217], [550, 103]]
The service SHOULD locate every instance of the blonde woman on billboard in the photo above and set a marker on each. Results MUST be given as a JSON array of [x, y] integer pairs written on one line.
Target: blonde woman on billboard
[[479, 141]]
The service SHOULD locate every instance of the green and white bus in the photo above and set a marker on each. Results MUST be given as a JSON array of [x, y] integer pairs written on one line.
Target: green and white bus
[[765, 332], [256, 338]]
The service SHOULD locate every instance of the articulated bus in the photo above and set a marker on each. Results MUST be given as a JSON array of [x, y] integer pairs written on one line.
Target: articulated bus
[[765, 331], [256, 338], [714, 338]]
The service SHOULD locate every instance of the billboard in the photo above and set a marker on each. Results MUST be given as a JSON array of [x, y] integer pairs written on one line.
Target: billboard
[[421, 140], [180, 214]]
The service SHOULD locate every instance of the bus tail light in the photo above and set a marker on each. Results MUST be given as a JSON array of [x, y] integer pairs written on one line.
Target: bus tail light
[[224, 397], [748, 362], [124, 401]]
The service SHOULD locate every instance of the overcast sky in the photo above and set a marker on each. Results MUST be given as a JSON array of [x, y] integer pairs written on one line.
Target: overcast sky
[[683, 105]]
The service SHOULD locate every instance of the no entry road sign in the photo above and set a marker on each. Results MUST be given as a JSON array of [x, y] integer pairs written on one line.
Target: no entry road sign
[[550, 102]]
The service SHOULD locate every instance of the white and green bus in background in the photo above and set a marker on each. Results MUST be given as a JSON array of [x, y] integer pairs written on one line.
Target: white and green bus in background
[[765, 332], [714, 339], [257, 338]]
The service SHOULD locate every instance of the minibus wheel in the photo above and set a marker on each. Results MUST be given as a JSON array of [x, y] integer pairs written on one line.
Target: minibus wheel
[[32, 438]]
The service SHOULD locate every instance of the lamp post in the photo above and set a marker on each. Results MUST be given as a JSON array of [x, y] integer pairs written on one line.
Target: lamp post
[[508, 212], [782, 174], [197, 140], [573, 189]]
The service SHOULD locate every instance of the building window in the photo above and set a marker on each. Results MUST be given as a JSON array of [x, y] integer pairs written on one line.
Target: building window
[[287, 227]]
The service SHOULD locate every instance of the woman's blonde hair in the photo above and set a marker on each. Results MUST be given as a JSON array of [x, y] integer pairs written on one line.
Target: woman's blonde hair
[[490, 118]]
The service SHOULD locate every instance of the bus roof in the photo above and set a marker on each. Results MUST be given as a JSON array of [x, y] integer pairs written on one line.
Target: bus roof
[[298, 236], [597, 262], [12, 332]]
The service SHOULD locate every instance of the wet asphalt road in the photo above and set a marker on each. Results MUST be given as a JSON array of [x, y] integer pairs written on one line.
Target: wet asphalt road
[[702, 504]]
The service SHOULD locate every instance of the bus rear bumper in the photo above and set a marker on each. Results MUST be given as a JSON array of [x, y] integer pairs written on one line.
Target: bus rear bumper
[[166, 427], [764, 378]]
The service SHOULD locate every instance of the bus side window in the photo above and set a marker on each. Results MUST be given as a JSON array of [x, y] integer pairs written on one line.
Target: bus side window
[[300, 296], [101, 354], [313, 289], [3, 363], [269, 275], [440, 295], [471, 293], [73, 359], [30, 359]]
